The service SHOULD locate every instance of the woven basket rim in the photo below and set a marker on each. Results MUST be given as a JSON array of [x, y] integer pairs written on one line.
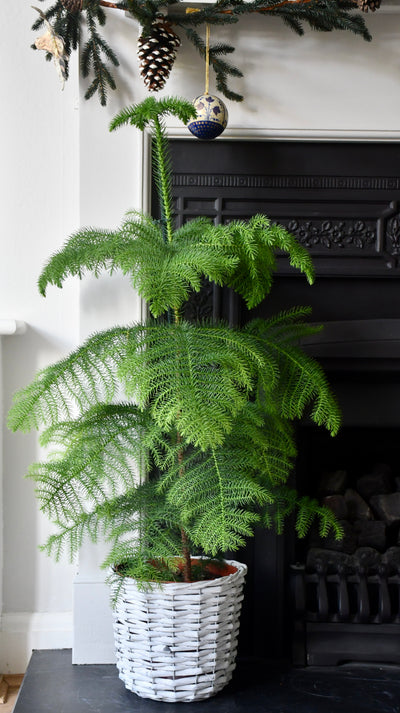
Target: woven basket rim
[[226, 579]]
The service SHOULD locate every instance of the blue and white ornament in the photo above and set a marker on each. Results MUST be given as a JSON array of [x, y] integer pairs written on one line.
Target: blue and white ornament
[[211, 118]]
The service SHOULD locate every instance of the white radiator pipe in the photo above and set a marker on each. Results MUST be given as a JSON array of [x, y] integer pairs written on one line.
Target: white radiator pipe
[[11, 326]]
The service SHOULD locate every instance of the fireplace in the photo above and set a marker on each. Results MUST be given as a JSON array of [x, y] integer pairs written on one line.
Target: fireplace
[[342, 200]]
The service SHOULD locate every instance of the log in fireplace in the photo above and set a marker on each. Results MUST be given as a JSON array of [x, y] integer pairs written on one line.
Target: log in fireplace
[[342, 200]]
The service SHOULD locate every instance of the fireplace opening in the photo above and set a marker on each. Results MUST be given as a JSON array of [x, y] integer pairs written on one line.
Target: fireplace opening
[[346, 593]]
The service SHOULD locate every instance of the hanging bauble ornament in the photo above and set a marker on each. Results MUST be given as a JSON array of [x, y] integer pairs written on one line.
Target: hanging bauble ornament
[[211, 118], [211, 113]]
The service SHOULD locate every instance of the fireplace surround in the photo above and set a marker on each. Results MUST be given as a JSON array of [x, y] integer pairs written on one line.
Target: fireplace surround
[[342, 200]]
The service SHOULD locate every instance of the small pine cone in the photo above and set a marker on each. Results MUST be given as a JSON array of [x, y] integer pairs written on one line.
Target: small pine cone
[[72, 5], [366, 5], [157, 52]]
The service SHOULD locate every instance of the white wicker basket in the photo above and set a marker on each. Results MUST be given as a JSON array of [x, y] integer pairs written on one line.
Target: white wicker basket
[[179, 642]]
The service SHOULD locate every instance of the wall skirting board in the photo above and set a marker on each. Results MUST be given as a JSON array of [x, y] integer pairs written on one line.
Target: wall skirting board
[[21, 633]]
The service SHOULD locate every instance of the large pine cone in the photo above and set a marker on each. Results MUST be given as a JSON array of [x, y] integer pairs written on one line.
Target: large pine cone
[[366, 5], [72, 5], [157, 52]]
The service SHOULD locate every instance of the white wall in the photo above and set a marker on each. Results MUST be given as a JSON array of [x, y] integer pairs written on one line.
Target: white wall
[[39, 198], [1, 483], [59, 168]]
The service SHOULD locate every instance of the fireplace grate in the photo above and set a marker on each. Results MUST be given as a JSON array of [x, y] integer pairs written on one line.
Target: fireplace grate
[[343, 616], [359, 597]]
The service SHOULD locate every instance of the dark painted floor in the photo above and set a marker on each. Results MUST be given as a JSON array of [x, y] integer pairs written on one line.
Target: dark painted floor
[[53, 685]]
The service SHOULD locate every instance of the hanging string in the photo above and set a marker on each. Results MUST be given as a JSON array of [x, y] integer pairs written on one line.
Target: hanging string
[[207, 58], [195, 9]]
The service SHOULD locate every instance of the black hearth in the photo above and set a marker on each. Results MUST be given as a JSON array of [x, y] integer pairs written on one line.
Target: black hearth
[[342, 200], [53, 684]]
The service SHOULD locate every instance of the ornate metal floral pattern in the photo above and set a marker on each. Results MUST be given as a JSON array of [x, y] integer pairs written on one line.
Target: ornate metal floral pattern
[[393, 236], [200, 304], [333, 233]]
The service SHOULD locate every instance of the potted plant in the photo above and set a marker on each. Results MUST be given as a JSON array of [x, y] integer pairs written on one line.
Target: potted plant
[[174, 438]]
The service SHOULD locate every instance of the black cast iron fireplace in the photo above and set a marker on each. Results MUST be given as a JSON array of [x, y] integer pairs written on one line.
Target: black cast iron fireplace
[[342, 200]]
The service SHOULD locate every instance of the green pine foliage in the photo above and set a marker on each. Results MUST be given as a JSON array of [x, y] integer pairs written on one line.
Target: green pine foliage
[[65, 24], [307, 511], [74, 384], [301, 379], [98, 59], [97, 55], [169, 426]]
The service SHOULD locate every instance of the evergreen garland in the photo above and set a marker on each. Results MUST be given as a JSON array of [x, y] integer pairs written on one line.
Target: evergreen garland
[[200, 450], [98, 59]]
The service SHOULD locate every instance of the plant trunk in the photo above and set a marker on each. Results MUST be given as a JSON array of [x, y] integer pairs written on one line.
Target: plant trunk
[[164, 193], [187, 564], [163, 182]]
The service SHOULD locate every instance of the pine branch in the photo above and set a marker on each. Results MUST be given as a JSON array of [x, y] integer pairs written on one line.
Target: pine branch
[[143, 528], [139, 524], [276, 514], [141, 11], [88, 250], [308, 510], [164, 273], [216, 499], [286, 502], [224, 89], [96, 55], [102, 452], [302, 381], [81, 380], [92, 55], [324, 16], [268, 451], [253, 245], [67, 25], [219, 491], [198, 377], [69, 539], [144, 114], [220, 535]]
